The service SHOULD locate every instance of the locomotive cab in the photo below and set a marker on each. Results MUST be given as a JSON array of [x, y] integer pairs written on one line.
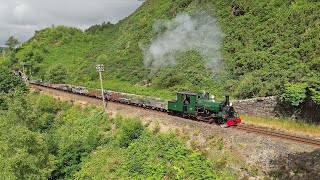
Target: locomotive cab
[[185, 104]]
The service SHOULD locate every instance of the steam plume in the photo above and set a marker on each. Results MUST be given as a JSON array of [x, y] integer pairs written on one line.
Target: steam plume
[[199, 32]]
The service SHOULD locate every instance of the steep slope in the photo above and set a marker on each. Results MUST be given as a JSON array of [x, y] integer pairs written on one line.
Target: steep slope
[[269, 48], [269, 44]]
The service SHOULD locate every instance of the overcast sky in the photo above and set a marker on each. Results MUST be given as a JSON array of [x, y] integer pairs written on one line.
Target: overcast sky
[[20, 18]]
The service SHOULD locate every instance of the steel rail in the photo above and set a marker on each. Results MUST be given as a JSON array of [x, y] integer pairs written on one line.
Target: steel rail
[[295, 138]]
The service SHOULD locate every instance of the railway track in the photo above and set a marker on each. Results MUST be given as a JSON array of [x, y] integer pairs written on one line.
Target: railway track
[[280, 135], [242, 127]]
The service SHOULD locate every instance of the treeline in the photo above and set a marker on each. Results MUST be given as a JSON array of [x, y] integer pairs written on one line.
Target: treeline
[[270, 48]]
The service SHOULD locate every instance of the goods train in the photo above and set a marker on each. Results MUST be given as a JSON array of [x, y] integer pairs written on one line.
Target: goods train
[[191, 105]]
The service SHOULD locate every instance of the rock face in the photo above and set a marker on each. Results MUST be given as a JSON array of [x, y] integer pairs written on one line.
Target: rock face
[[272, 107]]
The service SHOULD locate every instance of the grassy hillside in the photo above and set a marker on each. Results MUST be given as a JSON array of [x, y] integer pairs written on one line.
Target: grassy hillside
[[269, 48]]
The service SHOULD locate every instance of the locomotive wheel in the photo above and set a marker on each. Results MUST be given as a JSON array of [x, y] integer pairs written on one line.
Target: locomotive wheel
[[211, 120]]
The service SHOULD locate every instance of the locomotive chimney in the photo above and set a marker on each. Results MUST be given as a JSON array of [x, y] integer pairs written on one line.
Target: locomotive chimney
[[227, 100]]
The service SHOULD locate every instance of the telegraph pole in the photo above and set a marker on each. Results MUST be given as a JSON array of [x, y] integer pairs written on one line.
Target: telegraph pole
[[3, 52], [24, 76], [100, 68], [23, 64]]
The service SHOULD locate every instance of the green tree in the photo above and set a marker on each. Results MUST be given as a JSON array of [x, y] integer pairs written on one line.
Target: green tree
[[102, 58], [56, 74], [8, 81], [74, 137], [12, 42], [294, 94], [23, 150]]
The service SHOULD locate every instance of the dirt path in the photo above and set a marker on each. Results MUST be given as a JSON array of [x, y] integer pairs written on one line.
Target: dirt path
[[249, 155]]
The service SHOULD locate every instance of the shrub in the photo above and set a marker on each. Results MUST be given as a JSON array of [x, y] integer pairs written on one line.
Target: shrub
[[129, 131], [294, 94], [164, 156]]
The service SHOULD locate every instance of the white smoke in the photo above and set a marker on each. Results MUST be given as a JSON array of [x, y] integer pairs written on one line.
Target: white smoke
[[200, 33]]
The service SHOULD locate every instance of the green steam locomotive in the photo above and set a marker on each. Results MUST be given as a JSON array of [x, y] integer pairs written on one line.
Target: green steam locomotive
[[199, 106]]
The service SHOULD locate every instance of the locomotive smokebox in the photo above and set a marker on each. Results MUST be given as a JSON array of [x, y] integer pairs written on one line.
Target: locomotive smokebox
[[227, 100]]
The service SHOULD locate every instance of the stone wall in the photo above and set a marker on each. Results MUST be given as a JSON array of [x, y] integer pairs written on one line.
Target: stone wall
[[261, 107], [272, 107]]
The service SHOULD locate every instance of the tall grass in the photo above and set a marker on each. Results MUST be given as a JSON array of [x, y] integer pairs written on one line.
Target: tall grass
[[293, 126]]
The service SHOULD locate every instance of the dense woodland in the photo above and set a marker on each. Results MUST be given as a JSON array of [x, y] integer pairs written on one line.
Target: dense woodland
[[270, 48]]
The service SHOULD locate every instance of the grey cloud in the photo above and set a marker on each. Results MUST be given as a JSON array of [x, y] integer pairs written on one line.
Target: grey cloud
[[20, 18]]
